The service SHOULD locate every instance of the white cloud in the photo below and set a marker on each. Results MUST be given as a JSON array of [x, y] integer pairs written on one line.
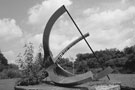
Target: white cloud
[[124, 1], [110, 29], [9, 29], [39, 14], [90, 11], [10, 55], [113, 18], [36, 39]]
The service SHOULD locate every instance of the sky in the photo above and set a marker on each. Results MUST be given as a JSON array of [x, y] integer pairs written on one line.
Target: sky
[[110, 23]]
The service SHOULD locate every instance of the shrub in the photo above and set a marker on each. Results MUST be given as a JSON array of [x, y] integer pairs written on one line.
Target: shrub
[[3, 75], [13, 66], [2, 67], [27, 81], [10, 73]]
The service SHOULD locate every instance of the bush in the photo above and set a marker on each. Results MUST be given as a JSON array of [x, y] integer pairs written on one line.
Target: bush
[[10, 73], [27, 81], [13, 66], [2, 67], [32, 79], [3, 75]]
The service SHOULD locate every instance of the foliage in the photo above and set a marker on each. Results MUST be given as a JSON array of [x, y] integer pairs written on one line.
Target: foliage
[[27, 81], [8, 70], [2, 67], [3, 60], [13, 66], [121, 61], [32, 68], [10, 73], [25, 61], [130, 64]]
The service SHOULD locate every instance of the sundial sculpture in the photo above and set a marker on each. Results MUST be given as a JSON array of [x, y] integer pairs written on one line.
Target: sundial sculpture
[[55, 71], [59, 76]]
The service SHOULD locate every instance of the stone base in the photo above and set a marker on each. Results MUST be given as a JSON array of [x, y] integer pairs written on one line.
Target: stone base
[[80, 87], [100, 87], [109, 87]]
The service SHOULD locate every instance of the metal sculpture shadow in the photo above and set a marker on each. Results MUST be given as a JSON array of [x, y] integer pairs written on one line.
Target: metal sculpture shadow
[[55, 71]]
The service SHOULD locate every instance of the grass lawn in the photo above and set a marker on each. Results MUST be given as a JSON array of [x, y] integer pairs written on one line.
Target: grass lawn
[[125, 79], [7, 84]]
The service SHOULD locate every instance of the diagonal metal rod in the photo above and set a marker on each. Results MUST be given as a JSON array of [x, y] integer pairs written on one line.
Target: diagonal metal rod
[[85, 40]]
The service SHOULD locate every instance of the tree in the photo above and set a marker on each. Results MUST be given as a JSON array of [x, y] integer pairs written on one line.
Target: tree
[[13, 66], [129, 50], [130, 64], [3, 60], [33, 71], [25, 61]]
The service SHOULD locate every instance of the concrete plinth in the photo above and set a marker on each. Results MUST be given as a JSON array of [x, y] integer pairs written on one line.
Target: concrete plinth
[[108, 87], [87, 86]]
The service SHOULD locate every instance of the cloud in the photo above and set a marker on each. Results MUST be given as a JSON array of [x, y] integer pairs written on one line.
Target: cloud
[[124, 1], [114, 17], [39, 14], [90, 11], [9, 29], [36, 40], [110, 29], [10, 55]]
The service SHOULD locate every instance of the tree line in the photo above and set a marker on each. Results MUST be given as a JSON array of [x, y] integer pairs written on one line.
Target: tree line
[[8, 70], [122, 61]]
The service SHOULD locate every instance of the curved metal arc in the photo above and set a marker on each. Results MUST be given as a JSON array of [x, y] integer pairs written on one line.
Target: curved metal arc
[[47, 52], [62, 72], [75, 80], [48, 28], [46, 35], [78, 79], [69, 46]]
